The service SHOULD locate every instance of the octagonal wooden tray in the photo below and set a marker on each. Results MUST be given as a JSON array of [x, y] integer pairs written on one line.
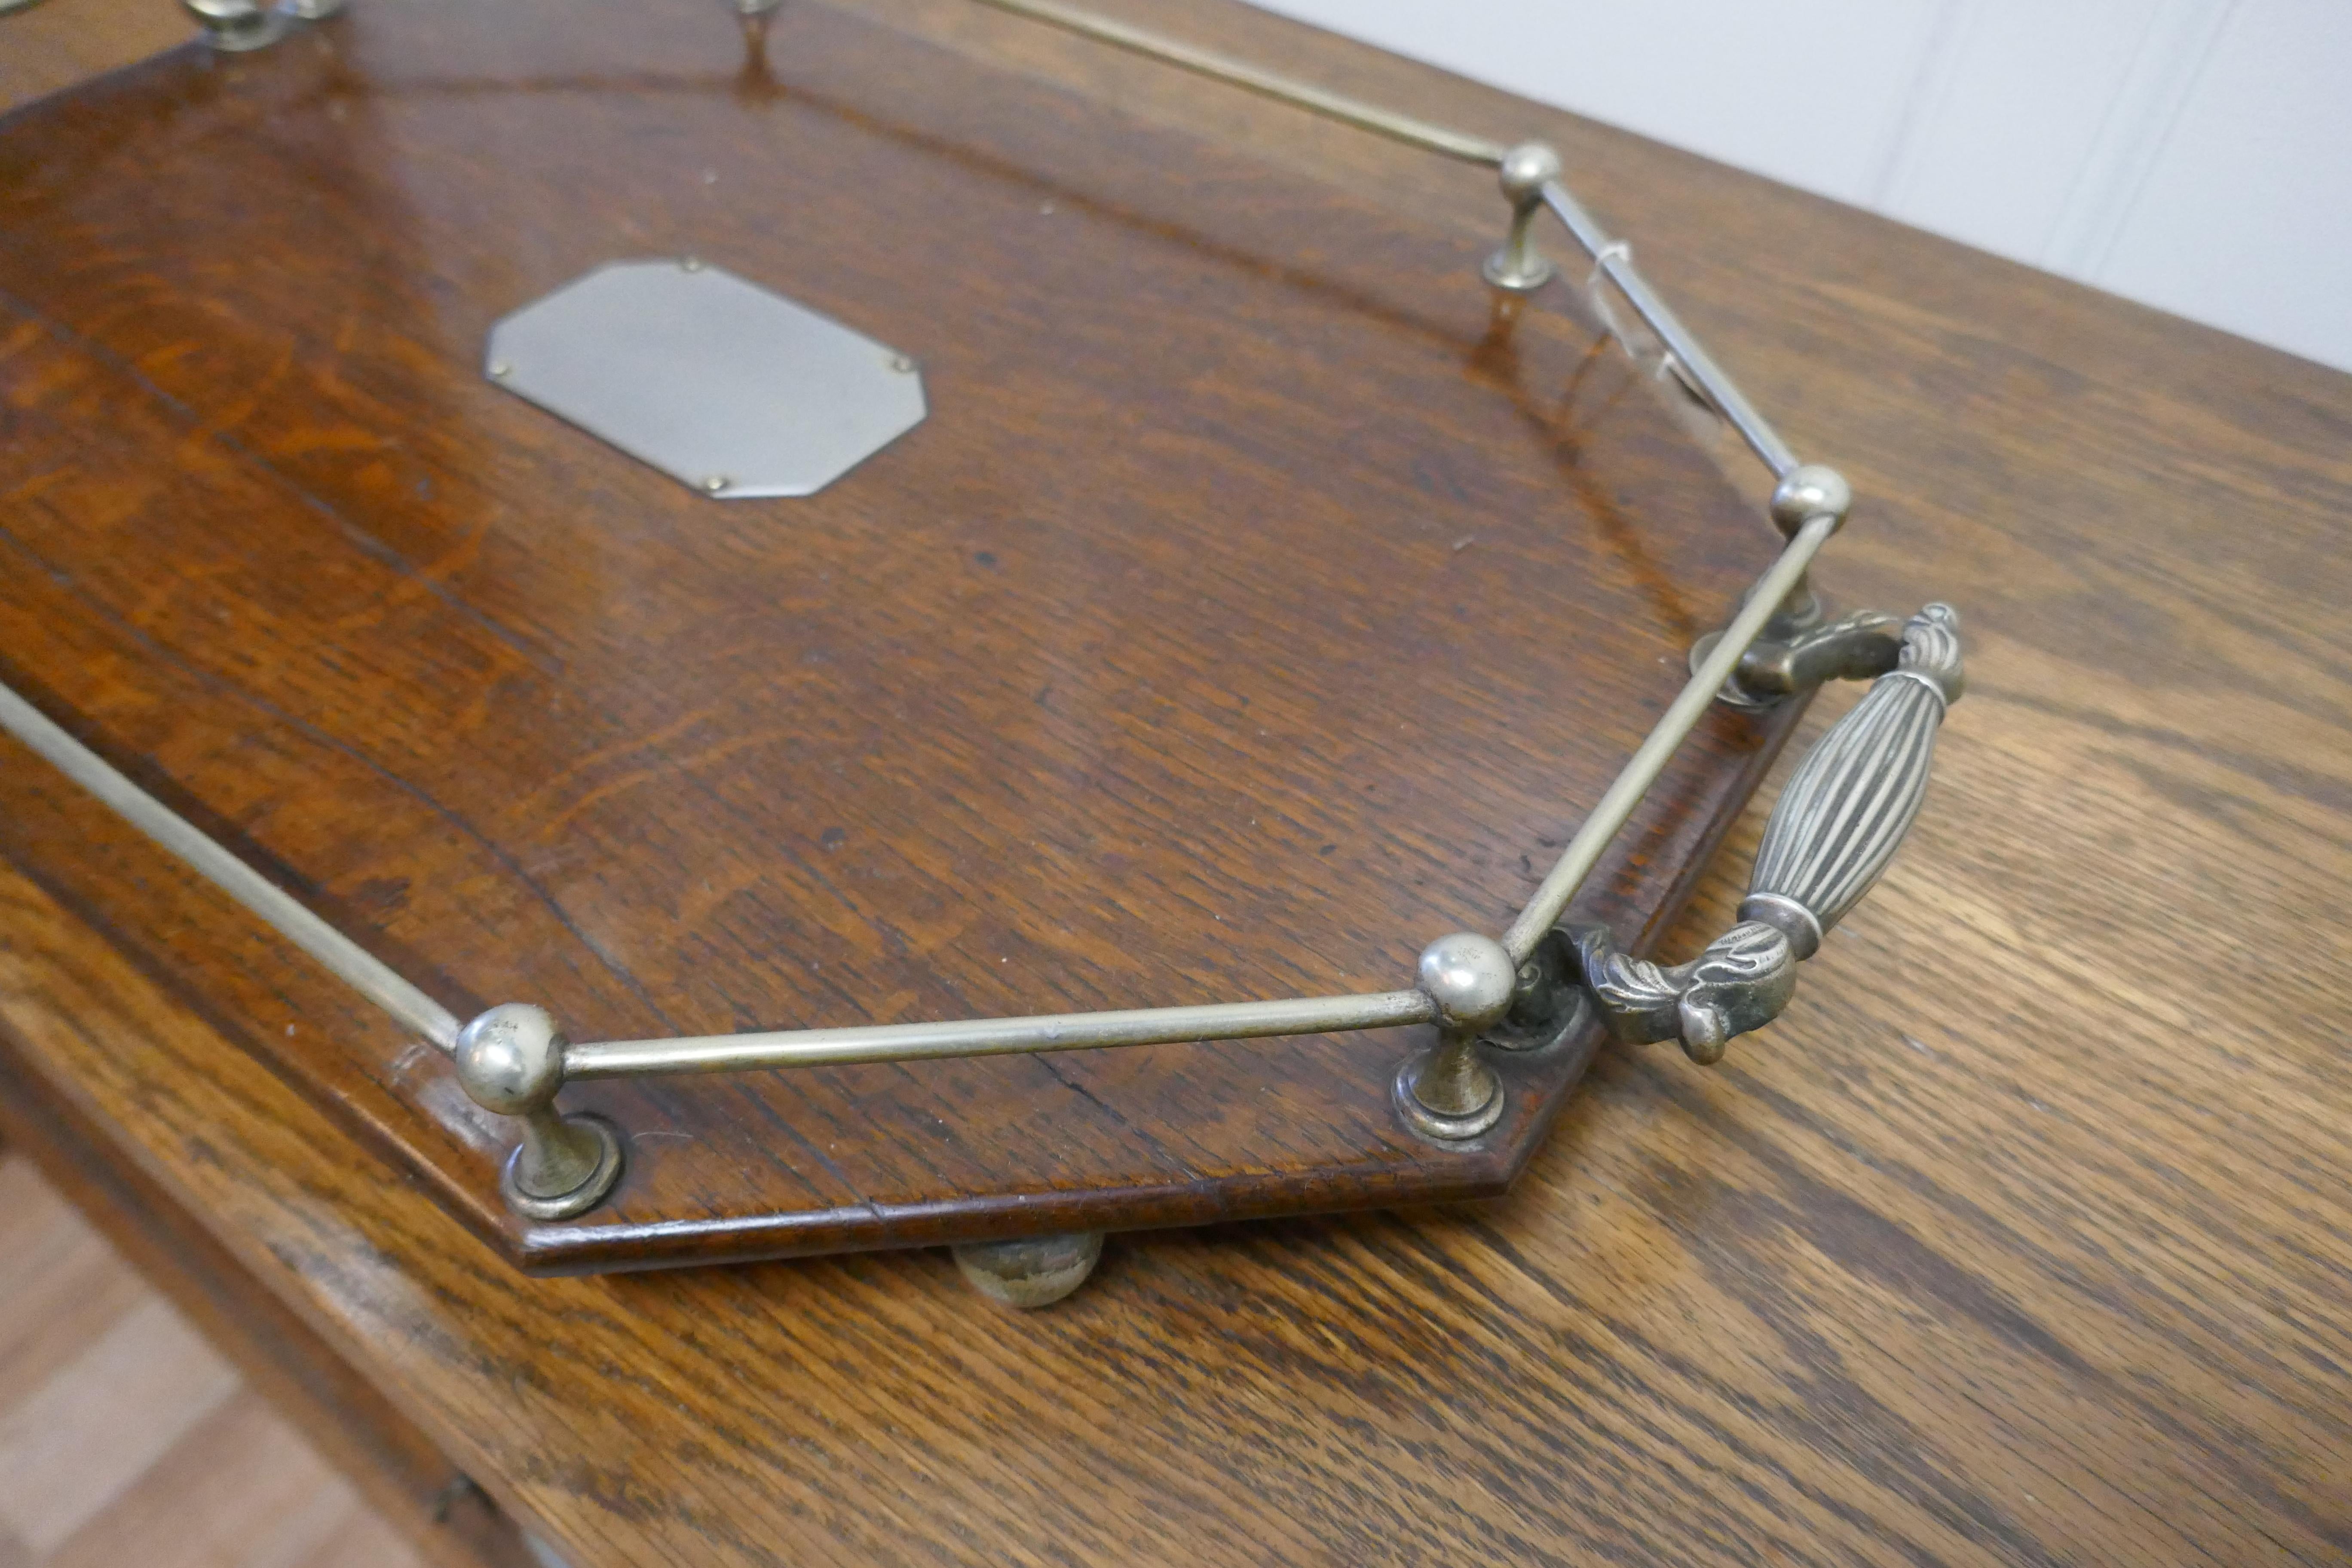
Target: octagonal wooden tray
[[1263, 598]]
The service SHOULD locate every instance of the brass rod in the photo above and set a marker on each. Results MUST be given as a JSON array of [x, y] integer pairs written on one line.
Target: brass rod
[[985, 1036], [997, 1036], [1242, 74], [1609, 818], [1615, 259], [342, 957]]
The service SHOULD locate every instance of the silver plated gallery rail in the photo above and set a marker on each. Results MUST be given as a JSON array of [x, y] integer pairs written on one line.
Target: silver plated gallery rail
[[1833, 830]]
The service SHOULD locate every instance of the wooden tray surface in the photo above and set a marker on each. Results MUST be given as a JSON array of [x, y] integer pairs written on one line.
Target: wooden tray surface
[[1261, 599]]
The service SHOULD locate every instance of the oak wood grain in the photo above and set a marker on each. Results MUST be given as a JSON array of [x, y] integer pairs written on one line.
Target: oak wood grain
[[1260, 600], [2022, 1238]]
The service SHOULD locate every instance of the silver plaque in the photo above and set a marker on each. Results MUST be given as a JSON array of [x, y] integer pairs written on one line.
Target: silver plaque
[[716, 382]]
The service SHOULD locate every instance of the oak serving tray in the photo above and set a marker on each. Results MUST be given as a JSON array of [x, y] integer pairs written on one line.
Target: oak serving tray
[[1262, 597]]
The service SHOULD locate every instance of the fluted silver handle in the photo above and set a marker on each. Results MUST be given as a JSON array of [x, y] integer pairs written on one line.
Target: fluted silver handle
[[1834, 829]]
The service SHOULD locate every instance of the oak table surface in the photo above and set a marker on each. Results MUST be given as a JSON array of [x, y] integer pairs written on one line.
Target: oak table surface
[[2021, 1238]]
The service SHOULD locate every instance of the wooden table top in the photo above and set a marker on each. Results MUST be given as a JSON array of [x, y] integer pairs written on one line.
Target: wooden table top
[[2021, 1238]]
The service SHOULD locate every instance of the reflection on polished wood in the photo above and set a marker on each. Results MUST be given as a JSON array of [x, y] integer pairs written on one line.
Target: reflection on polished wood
[[2021, 1238]]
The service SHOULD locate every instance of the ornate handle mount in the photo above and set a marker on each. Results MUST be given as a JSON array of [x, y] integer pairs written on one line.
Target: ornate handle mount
[[1834, 829]]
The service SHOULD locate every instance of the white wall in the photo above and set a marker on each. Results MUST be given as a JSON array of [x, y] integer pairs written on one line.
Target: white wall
[[2193, 155]]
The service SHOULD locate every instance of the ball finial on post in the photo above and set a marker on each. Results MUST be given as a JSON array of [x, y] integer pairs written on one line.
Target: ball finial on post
[[1450, 1093], [1523, 173], [1470, 977], [511, 1060], [1808, 491], [1805, 493]]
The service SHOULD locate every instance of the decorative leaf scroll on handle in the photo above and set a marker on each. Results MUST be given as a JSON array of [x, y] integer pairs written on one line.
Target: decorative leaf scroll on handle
[[1834, 829]]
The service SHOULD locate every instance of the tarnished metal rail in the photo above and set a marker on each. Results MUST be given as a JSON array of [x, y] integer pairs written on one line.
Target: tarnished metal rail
[[337, 953], [1838, 824], [1252, 78]]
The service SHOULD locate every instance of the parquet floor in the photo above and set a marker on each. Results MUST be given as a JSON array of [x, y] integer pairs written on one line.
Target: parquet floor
[[125, 1442]]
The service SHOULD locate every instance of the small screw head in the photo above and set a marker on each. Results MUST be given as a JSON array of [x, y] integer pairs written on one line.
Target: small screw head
[[511, 1058], [716, 483], [1470, 977], [1809, 491], [902, 364], [1526, 170], [501, 369]]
